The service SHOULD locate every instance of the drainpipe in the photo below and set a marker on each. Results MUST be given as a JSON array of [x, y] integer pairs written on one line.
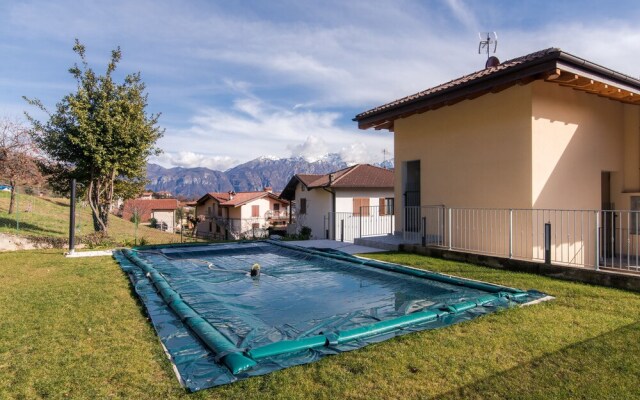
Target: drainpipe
[[333, 201]]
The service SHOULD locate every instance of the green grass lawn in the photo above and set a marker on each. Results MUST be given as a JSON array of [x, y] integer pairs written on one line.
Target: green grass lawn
[[71, 328], [45, 216]]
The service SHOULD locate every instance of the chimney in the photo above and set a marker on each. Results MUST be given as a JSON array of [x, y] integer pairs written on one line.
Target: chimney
[[330, 179], [268, 189], [231, 194]]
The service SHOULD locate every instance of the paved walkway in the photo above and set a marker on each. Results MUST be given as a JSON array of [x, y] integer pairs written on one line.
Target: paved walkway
[[348, 248]]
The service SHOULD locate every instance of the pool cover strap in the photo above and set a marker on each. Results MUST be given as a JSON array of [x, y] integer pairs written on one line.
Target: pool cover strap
[[226, 351]]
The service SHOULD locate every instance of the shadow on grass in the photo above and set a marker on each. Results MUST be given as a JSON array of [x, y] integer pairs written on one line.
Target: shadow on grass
[[25, 226], [56, 202], [612, 371]]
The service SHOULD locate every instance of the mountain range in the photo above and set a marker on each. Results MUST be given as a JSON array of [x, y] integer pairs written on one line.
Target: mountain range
[[251, 176]]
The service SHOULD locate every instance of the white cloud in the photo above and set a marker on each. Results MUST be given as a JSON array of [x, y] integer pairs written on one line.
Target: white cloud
[[463, 14], [188, 159], [234, 84], [312, 149]]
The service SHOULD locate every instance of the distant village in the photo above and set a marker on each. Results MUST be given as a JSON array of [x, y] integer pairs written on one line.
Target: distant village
[[311, 205]]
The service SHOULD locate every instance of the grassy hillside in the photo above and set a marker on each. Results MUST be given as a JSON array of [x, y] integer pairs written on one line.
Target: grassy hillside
[[49, 217]]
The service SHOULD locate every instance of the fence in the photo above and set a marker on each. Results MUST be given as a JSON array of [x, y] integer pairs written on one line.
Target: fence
[[585, 238], [368, 221], [33, 211], [43, 217], [218, 228]]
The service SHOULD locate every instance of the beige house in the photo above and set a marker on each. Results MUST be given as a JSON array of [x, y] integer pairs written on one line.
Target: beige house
[[163, 211], [352, 202], [240, 215], [548, 130]]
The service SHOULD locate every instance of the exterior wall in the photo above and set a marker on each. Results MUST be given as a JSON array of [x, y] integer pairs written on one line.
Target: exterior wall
[[344, 197], [474, 154], [166, 216], [204, 227], [575, 137], [319, 204], [355, 225], [239, 220]]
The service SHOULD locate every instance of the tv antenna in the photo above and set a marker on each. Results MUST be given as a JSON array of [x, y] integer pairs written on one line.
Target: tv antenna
[[384, 157], [488, 40]]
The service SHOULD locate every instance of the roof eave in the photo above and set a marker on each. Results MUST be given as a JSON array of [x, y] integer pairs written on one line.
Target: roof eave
[[523, 73]]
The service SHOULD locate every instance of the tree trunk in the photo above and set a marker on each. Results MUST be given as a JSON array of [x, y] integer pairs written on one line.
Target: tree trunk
[[93, 194], [12, 201]]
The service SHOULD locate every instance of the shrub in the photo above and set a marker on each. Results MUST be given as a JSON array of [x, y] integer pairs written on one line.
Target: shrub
[[97, 239], [305, 233]]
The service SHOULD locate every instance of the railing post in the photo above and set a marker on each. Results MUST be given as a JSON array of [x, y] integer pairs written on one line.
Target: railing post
[[510, 233], [72, 218], [450, 228], [342, 230], [361, 220], [547, 243], [597, 236], [424, 231]]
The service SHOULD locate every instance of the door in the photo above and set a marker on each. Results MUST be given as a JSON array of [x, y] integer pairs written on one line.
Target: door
[[412, 196], [608, 218]]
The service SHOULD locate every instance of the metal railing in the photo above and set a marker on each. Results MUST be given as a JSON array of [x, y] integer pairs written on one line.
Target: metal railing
[[367, 221], [585, 238], [276, 214], [218, 228]]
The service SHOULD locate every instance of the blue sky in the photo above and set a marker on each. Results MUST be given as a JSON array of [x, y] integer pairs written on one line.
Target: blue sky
[[235, 80]]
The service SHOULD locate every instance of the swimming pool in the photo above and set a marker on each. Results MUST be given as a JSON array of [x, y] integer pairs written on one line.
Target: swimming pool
[[218, 323]]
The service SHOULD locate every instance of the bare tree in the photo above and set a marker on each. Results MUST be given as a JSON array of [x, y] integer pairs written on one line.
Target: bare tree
[[18, 157]]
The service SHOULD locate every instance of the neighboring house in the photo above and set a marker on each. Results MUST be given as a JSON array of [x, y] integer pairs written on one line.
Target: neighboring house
[[548, 130], [350, 194], [162, 210], [163, 195], [146, 196], [240, 215]]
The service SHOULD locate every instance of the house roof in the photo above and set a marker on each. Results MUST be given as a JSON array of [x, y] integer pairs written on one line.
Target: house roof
[[238, 199], [356, 176], [146, 207], [550, 65]]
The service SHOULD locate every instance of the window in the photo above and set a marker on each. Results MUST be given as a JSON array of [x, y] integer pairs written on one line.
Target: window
[[303, 206], [219, 211], [361, 204], [276, 207], [255, 211], [386, 206], [209, 211], [210, 226], [634, 229], [217, 228]]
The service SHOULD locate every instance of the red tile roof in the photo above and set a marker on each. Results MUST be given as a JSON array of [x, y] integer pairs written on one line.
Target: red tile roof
[[537, 65], [458, 81], [238, 199], [146, 207], [356, 176]]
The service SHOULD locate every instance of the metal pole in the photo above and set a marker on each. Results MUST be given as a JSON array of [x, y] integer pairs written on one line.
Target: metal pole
[[547, 243], [424, 231], [510, 233], [361, 220], [15, 189], [449, 228], [342, 230], [72, 218]]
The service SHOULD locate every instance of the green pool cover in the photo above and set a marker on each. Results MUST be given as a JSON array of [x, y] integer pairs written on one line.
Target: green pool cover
[[219, 324]]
